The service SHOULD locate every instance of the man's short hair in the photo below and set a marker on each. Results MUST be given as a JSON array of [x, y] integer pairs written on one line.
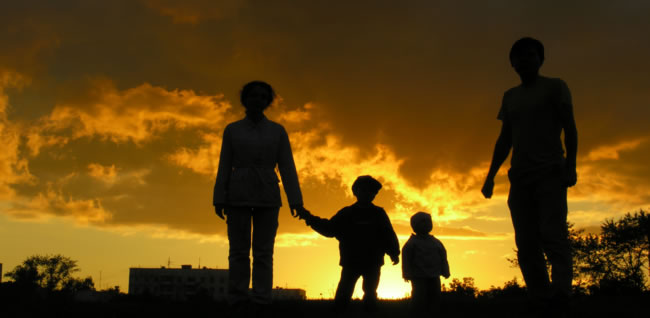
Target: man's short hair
[[366, 183], [524, 43], [249, 87]]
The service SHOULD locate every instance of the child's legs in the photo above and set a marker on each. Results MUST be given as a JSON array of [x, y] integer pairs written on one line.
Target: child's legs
[[425, 296], [418, 297], [370, 282], [349, 277], [434, 294]]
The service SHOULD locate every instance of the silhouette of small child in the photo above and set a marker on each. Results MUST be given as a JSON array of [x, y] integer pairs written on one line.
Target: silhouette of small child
[[365, 234], [424, 260]]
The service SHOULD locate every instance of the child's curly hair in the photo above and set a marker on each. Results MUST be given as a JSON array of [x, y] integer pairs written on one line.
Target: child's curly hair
[[421, 223], [366, 183]]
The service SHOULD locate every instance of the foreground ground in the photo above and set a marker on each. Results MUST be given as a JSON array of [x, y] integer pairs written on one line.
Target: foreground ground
[[612, 306]]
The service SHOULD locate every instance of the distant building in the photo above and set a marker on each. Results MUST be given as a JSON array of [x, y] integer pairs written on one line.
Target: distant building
[[0, 272], [179, 283], [185, 282], [288, 294]]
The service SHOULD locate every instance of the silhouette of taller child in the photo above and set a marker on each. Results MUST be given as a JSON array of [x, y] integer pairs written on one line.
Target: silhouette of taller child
[[533, 116], [247, 190], [365, 234]]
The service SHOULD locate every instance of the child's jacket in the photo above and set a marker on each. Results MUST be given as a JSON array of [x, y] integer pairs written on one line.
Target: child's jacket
[[424, 257], [365, 234]]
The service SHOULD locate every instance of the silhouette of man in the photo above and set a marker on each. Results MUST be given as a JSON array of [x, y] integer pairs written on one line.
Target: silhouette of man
[[533, 116]]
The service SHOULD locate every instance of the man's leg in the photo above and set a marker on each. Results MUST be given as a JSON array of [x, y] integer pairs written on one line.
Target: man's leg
[[551, 198], [370, 284], [345, 288], [239, 237], [530, 254], [265, 226]]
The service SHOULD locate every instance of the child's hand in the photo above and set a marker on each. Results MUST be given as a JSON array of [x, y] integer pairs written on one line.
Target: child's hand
[[303, 214], [296, 209], [395, 259]]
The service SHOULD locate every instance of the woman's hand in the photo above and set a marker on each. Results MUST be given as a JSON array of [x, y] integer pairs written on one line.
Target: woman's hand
[[219, 209], [298, 211]]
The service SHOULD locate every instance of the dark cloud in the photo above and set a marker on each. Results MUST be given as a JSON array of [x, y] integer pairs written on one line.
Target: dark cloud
[[424, 79]]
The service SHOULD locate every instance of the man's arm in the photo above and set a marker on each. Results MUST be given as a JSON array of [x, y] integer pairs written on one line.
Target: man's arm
[[570, 136], [501, 151]]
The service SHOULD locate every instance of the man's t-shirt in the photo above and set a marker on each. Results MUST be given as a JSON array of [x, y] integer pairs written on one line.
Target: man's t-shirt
[[535, 117]]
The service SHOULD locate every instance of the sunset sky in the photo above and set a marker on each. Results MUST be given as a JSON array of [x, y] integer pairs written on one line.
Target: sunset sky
[[111, 116]]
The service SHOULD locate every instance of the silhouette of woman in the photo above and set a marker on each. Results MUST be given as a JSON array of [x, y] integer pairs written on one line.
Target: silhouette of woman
[[247, 190]]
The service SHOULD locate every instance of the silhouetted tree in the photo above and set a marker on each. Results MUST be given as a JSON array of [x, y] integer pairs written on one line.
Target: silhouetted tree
[[50, 272], [510, 288], [614, 261], [574, 240], [74, 285], [115, 290], [461, 289]]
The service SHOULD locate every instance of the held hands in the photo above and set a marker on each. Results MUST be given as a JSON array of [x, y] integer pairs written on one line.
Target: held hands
[[304, 214], [299, 211], [488, 187], [395, 259]]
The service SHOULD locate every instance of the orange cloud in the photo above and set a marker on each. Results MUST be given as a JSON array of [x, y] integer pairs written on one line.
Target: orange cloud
[[203, 160], [602, 184], [321, 156], [143, 113], [136, 114], [107, 173], [613, 151], [110, 175], [51, 203], [13, 167]]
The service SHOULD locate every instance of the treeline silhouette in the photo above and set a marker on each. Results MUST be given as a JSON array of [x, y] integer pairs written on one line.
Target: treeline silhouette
[[614, 261], [611, 265]]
